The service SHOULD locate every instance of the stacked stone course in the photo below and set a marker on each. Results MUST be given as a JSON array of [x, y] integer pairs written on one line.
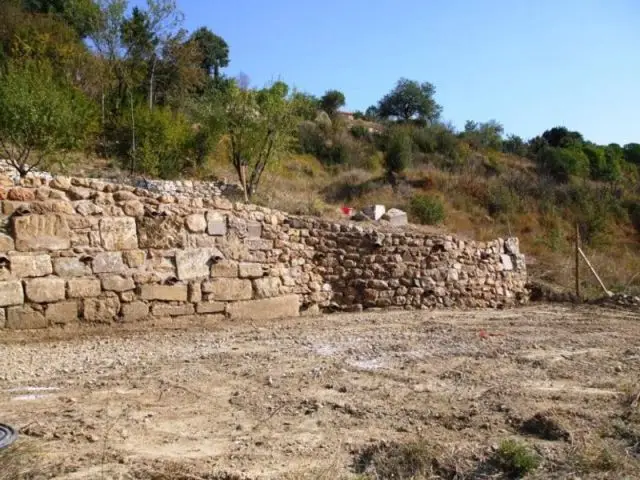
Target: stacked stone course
[[82, 250]]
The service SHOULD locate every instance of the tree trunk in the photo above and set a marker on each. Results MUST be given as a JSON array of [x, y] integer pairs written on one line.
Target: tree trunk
[[151, 77], [133, 135]]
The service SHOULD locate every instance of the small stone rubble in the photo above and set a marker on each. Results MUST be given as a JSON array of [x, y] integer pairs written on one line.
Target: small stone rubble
[[85, 250]]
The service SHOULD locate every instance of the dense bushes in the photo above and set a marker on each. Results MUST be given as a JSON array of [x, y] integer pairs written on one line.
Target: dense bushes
[[426, 209], [398, 155], [561, 163]]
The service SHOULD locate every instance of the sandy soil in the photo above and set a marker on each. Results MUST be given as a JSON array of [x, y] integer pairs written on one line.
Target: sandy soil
[[304, 398]]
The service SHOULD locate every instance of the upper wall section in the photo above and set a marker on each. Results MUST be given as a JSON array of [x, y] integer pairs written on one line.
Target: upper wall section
[[81, 250]]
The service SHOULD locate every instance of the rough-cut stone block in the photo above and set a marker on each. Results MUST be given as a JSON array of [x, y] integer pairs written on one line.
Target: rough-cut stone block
[[118, 233], [210, 307], [23, 266], [228, 289], [6, 243], [101, 310], [44, 290], [396, 217], [254, 229], [250, 270], [194, 263], [11, 293], [265, 309], [134, 311], [224, 268], [41, 232], [216, 223], [25, 318], [163, 310], [108, 262], [167, 293], [134, 258], [62, 312], [196, 223], [267, 287], [161, 232], [374, 212], [70, 267], [3, 318], [507, 263], [258, 244], [195, 292], [83, 287], [117, 283]]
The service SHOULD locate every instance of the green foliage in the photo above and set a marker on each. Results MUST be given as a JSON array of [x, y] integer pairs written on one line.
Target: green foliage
[[426, 209], [410, 99], [483, 136], [516, 459], [562, 163], [305, 106], [604, 162], [40, 117], [81, 15], [398, 155], [561, 137], [360, 131], [632, 153], [214, 51], [332, 101], [515, 146], [166, 142]]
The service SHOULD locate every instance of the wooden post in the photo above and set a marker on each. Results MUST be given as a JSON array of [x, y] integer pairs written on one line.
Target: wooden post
[[578, 261], [595, 274]]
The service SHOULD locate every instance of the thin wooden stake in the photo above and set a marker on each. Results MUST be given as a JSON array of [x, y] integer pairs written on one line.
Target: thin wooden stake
[[593, 270], [577, 261]]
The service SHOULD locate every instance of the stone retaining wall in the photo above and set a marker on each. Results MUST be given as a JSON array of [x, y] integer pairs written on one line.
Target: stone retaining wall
[[79, 250]]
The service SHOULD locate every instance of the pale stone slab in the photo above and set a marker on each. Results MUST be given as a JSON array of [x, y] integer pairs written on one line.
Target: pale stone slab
[[265, 309], [70, 267], [108, 262], [25, 318], [228, 289], [62, 312], [134, 311], [41, 232], [83, 287], [167, 293], [118, 233], [23, 266], [11, 293], [45, 290], [267, 287], [101, 310], [194, 263]]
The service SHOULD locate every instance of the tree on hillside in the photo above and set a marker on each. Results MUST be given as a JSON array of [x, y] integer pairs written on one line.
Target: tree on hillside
[[260, 126], [410, 100], [332, 101], [214, 51], [81, 15], [562, 163], [514, 145], [398, 155], [632, 153], [562, 137], [40, 117], [487, 135], [305, 105]]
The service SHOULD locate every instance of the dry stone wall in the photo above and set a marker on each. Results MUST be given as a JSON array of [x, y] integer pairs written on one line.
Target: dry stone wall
[[78, 250]]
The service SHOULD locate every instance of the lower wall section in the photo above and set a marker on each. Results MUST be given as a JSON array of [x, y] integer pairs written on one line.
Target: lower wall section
[[77, 250]]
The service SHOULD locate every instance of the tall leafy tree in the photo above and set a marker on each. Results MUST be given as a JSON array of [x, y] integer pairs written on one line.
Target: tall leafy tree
[[41, 117], [410, 100], [214, 51], [332, 101], [81, 15], [487, 135], [562, 137]]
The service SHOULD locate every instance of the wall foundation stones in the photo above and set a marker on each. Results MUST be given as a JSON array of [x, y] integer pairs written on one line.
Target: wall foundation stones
[[97, 252]]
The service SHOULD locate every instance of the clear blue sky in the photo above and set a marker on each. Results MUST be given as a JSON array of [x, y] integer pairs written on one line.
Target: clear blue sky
[[530, 64]]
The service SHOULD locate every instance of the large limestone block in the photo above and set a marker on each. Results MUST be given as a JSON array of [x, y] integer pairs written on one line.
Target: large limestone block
[[228, 289], [108, 262], [224, 268], [44, 290], [41, 232], [265, 309], [101, 310], [161, 232], [62, 312], [165, 310], [83, 287], [167, 293], [374, 212], [23, 266], [25, 318], [117, 283], [194, 263], [70, 267], [267, 287], [6, 243], [216, 223], [396, 217], [134, 311], [118, 233], [210, 307], [11, 293], [196, 223]]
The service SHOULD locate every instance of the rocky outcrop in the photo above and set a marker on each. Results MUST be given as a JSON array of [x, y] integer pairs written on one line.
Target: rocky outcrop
[[80, 250]]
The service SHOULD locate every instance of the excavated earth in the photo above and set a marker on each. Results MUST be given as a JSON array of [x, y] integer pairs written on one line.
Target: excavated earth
[[304, 398]]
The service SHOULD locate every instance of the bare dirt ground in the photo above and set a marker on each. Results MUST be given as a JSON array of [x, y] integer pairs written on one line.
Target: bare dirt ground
[[331, 397]]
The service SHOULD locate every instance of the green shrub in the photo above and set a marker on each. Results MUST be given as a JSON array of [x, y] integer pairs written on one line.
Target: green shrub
[[360, 132], [427, 210], [516, 459], [562, 163], [166, 143], [398, 155]]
